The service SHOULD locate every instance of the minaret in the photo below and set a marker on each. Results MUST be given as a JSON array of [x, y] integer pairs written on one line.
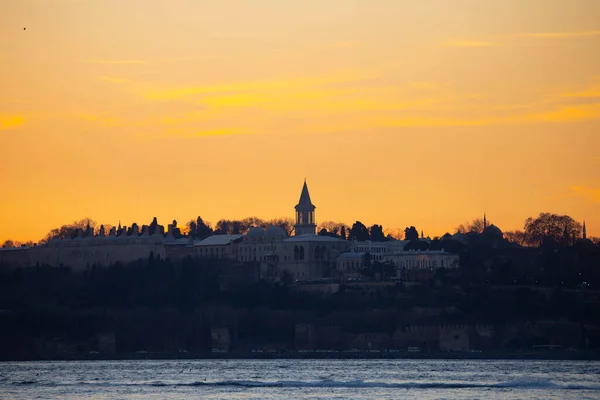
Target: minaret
[[305, 214], [584, 231]]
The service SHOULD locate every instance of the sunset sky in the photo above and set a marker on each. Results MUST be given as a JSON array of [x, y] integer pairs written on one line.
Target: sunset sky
[[425, 113]]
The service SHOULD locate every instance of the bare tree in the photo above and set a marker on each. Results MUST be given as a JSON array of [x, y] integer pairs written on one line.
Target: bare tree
[[9, 244], [475, 226], [70, 230], [551, 228], [394, 233], [516, 237], [333, 228]]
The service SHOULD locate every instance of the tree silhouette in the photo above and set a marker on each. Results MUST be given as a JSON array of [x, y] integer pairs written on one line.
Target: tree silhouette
[[516, 237], [411, 233], [9, 244], [475, 226], [153, 226], [343, 232], [287, 224], [334, 228], [551, 229], [393, 234], [358, 232], [69, 231], [203, 230], [192, 228], [376, 233]]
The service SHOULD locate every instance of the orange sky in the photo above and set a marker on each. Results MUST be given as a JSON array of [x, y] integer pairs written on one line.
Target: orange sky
[[424, 113]]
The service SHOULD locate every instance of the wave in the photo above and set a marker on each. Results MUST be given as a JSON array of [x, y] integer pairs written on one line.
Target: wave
[[524, 383]]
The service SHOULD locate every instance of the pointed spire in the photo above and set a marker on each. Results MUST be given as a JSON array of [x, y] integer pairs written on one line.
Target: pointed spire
[[119, 228], [484, 221], [305, 196], [422, 236], [584, 231], [305, 214]]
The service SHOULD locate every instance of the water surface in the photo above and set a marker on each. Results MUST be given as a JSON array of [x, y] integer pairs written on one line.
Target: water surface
[[301, 379]]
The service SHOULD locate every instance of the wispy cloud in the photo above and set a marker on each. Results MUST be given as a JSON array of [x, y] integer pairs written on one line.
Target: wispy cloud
[[587, 192], [424, 85], [330, 103], [187, 133], [591, 91], [559, 35], [113, 62], [8, 122], [346, 45], [220, 132], [567, 114], [563, 114], [506, 39], [104, 120], [257, 86], [117, 80], [468, 43]]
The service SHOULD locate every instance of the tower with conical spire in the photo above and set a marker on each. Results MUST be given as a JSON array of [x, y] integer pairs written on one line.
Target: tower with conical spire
[[584, 231], [305, 214], [484, 221]]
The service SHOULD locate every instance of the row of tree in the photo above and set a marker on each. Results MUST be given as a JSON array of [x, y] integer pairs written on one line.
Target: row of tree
[[547, 228]]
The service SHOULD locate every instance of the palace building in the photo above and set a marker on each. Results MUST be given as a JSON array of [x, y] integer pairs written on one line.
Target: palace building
[[304, 256]]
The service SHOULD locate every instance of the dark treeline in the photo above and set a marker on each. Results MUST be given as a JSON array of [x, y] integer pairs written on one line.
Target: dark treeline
[[546, 229], [550, 271], [165, 306]]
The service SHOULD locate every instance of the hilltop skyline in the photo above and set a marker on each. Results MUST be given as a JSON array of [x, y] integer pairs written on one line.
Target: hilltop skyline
[[102, 228], [398, 113]]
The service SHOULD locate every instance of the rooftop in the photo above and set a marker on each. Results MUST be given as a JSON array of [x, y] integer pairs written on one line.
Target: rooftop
[[312, 238], [218, 240]]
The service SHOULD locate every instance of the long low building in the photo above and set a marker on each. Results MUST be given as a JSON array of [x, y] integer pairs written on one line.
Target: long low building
[[429, 259], [304, 256]]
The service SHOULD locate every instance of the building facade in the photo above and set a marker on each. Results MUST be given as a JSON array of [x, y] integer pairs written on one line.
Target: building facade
[[303, 257], [422, 259]]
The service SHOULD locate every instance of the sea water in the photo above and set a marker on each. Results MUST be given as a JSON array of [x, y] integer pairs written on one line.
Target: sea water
[[301, 379]]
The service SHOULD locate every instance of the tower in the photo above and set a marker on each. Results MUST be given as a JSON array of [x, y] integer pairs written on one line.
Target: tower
[[584, 231], [484, 221], [305, 214]]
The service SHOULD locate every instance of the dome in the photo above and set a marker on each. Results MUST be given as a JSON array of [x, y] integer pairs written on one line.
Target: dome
[[275, 231], [493, 230], [255, 231]]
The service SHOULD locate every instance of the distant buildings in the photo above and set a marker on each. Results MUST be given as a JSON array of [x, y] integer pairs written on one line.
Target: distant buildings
[[302, 257]]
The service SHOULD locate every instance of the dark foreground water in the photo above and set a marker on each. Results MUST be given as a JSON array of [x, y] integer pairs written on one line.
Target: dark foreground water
[[301, 379]]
